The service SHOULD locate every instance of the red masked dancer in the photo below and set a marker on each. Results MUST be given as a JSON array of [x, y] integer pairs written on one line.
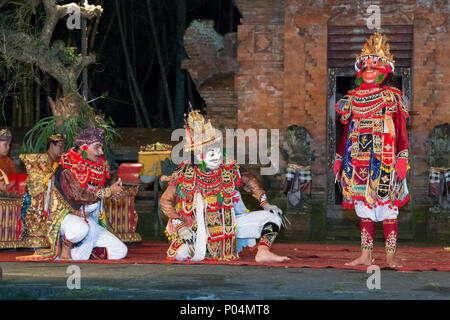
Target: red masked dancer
[[373, 152]]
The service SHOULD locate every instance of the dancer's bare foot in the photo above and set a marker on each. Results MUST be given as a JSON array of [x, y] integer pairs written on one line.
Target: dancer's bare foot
[[365, 259], [264, 255], [65, 253], [391, 261]]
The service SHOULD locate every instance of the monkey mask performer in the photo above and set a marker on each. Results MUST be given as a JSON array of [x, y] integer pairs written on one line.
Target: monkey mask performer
[[207, 217], [373, 152], [77, 228]]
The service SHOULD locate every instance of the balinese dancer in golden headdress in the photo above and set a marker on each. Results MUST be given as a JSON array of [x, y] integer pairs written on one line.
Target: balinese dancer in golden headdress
[[40, 168], [373, 152], [207, 217]]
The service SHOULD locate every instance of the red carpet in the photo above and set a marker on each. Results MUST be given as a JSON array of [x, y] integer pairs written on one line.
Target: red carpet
[[302, 256]]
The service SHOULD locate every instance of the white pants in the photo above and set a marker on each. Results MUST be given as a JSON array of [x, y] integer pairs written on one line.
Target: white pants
[[380, 213], [250, 225], [92, 235]]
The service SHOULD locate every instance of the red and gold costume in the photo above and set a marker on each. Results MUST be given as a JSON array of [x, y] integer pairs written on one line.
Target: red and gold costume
[[219, 189], [77, 187], [374, 147], [207, 216], [374, 137], [7, 166]]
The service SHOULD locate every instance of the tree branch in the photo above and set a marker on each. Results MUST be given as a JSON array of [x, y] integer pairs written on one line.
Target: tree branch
[[49, 6], [56, 12], [83, 62], [21, 47]]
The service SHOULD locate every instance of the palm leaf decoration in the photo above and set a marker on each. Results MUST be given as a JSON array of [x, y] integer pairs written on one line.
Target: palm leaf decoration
[[35, 140]]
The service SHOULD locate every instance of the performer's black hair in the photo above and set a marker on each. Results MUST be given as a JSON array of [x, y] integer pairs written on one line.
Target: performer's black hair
[[390, 80]]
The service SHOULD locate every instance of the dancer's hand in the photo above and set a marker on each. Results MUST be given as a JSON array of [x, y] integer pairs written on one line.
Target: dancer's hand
[[337, 168], [272, 208], [277, 211], [400, 167], [187, 235], [80, 213], [116, 188]]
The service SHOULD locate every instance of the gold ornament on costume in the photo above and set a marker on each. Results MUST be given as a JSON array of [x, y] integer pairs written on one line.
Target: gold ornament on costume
[[5, 134], [199, 133], [39, 169], [376, 46], [156, 147], [57, 137]]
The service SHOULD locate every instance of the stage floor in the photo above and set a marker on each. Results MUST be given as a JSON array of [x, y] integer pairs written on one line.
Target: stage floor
[[317, 256]]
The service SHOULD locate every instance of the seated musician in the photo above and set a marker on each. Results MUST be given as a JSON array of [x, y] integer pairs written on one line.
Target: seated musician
[[7, 166]]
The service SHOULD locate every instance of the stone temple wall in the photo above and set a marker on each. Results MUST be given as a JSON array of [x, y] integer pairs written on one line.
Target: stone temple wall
[[281, 74]]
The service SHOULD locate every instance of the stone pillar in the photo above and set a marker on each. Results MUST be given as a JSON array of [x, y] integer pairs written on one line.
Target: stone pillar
[[259, 81], [212, 65], [431, 104], [431, 87], [305, 82]]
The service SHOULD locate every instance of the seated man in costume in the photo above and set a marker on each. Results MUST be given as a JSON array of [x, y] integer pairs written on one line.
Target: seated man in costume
[[207, 217], [7, 166], [77, 225], [373, 153], [40, 168], [55, 147]]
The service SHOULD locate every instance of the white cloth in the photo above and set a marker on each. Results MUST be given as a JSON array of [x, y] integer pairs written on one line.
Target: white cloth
[[249, 228], [201, 236], [91, 235], [182, 253], [250, 225], [380, 213]]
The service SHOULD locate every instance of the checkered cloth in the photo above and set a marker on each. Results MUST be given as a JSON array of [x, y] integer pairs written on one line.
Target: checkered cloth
[[435, 177], [439, 186], [303, 173], [298, 183]]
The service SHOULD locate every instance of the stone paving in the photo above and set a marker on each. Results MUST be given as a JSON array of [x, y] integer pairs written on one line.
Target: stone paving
[[209, 282]]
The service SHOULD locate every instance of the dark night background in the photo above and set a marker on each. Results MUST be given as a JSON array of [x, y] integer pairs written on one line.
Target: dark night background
[[109, 78]]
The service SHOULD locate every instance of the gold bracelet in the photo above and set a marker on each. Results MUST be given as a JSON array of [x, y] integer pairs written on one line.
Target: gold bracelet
[[103, 193]]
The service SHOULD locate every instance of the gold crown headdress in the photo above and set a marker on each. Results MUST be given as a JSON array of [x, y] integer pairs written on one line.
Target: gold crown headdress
[[377, 47], [199, 133], [56, 137], [5, 134]]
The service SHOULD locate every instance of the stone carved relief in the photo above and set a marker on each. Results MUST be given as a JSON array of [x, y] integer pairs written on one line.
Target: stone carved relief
[[260, 42]]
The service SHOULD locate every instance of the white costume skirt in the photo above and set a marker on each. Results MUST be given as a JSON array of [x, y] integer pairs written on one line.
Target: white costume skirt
[[380, 213], [249, 228]]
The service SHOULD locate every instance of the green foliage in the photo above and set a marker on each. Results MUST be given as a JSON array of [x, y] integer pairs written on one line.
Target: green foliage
[[358, 81], [202, 165], [380, 78], [35, 140]]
